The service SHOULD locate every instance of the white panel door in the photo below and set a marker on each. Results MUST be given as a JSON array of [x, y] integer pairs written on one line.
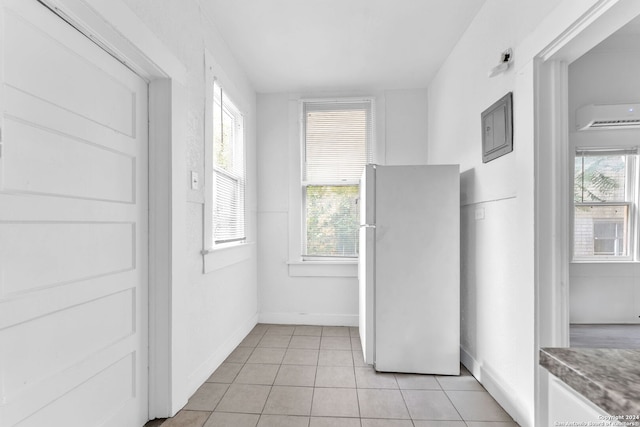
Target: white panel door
[[73, 228]]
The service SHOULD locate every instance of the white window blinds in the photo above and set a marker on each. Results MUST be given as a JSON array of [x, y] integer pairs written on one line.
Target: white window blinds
[[336, 136], [228, 170], [337, 144]]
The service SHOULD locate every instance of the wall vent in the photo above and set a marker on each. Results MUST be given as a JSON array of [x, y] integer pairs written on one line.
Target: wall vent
[[612, 116]]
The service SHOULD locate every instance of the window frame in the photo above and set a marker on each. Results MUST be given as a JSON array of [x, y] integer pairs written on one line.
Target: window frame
[[300, 264], [222, 254], [630, 202], [238, 178]]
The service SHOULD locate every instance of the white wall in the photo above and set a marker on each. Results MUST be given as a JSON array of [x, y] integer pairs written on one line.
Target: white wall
[[284, 296], [406, 127], [498, 287], [601, 292], [212, 312]]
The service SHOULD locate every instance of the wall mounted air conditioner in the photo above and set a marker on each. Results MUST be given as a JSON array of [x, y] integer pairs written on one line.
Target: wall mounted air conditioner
[[613, 116]]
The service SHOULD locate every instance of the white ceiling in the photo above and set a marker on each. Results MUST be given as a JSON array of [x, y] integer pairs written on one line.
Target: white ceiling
[[626, 39], [320, 45]]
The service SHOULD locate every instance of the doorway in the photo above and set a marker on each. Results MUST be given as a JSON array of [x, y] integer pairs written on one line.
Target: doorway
[[604, 291], [553, 157], [553, 197]]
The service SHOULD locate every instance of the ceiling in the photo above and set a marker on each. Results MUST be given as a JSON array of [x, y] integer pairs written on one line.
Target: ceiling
[[338, 45], [626, 39]]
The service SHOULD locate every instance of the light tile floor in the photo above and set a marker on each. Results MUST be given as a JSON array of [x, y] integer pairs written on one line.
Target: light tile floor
[[314, 376]]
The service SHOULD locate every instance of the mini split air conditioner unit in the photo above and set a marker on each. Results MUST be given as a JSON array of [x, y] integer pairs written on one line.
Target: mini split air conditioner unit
[[613, 116]]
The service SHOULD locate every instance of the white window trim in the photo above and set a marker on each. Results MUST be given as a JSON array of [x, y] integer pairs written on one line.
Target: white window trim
[[593, 140], [219, 256], [297, 265]]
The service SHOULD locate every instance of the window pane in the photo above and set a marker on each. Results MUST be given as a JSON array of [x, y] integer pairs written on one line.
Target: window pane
[[224, 138], [331, 220], [600, 178], [608, 236], [228, 217], [601, 231]]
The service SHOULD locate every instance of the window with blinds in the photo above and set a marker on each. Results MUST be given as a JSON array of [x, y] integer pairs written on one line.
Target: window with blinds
[[605, 202], [228, 170], [337, 141]]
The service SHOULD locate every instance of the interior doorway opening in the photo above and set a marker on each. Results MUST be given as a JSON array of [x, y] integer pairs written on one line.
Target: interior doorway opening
[[604, 291], [553, 194]]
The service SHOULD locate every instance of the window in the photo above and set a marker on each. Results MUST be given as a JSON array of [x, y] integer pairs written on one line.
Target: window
[[336, 141], [609, 237], [605, 201], [226, 239], [228, 175]]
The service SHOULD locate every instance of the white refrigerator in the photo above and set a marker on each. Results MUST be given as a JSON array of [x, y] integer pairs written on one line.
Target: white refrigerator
[[409, 268]]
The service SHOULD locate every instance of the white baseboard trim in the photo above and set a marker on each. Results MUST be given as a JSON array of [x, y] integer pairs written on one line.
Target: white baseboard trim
[[310, 319], [207, 368], [503, 394]]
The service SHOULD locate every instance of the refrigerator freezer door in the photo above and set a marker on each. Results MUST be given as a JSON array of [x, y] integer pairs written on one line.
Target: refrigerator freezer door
[[367, 195], [417, 284], [366, 277]]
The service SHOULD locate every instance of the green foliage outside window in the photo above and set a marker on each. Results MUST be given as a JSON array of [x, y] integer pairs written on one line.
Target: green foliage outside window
[[332, 220]]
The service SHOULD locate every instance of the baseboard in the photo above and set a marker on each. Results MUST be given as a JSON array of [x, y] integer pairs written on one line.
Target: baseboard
[[207, 368], [310, 319], [504, 395], [604, 322]]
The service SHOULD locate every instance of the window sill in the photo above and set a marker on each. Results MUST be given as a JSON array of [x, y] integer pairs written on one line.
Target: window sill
[[604, 261], [225, 255], [323, 268]]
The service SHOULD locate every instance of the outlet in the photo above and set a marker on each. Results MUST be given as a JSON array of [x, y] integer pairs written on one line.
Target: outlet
[[195, 182]]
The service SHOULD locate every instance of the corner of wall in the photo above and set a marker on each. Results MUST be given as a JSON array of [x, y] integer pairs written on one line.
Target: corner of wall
[[497, 388]]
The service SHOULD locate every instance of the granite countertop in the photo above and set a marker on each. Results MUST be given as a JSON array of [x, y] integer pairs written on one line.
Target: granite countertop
[[610, 378]]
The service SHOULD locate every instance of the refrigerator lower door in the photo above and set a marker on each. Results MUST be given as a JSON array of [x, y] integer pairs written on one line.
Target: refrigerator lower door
[[366, 277]]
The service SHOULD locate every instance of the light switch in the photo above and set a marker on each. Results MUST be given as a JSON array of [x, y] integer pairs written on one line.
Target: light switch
[[194, 180], [479, 214]]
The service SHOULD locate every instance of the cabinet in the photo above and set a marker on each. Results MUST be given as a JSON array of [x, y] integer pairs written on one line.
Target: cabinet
[[569, 408]]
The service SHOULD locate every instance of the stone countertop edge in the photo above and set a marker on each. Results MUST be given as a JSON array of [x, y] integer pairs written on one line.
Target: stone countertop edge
[[610, 378]]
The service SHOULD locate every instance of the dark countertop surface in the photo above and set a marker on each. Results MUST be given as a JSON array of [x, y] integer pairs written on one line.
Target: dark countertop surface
[[610, 378]]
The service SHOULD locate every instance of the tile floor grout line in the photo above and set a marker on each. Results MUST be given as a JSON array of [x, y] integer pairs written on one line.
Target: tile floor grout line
[[353, 361], [210, 413], [454, 406], [355, 380], [245, 364], [315, 378], [404, 400]]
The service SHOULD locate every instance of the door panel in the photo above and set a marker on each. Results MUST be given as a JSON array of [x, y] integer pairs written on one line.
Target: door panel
[[73, 228], [45, 161], [49, 63], [70, 252]]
